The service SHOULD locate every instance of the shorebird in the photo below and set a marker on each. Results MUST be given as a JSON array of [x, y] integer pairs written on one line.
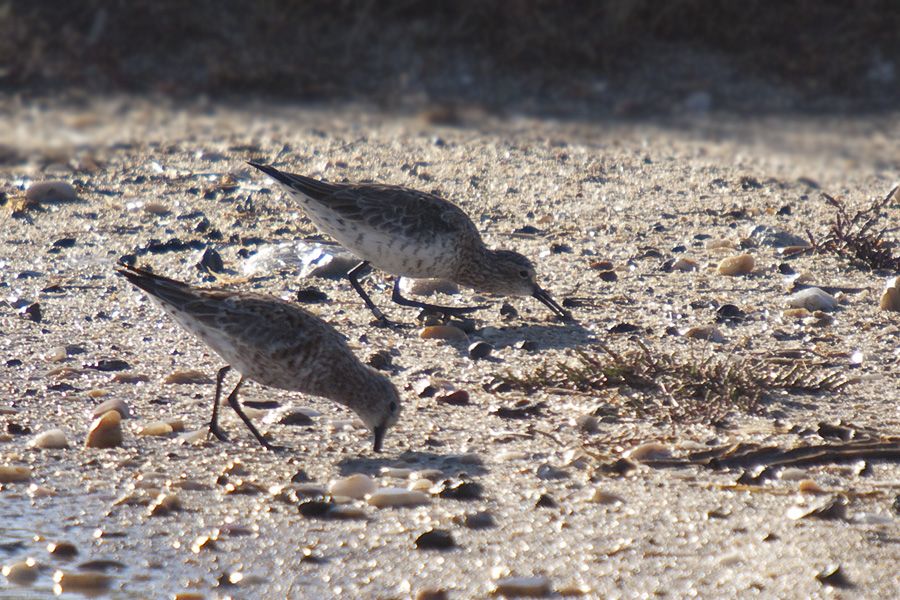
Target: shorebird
[[409, 233], [275, 343]]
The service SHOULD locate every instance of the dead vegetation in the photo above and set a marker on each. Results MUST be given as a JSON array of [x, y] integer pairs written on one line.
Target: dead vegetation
[[858, 238], [678, 388]]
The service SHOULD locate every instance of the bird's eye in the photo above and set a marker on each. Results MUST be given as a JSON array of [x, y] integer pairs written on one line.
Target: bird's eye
[[523, 274], [393, 406]]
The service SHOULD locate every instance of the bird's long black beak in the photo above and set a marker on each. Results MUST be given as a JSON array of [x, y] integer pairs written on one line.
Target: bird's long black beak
[[550, 303], [379, 436]]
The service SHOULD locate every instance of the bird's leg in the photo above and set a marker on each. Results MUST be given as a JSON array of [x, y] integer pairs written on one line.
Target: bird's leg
[[352, 276], [450, 311], [214, 421], [233, 402]]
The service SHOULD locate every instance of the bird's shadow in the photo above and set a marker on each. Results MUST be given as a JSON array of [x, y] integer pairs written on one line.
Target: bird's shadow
[[543, 336], [450, 464]]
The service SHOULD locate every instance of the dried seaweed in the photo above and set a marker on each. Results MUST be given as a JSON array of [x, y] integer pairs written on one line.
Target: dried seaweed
[[678, 388], [858, 238]]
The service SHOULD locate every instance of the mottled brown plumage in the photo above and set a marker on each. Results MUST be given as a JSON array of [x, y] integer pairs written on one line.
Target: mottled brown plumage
[[274, 343], [410, 233]]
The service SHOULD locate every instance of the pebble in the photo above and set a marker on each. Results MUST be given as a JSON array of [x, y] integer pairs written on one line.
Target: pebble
[[427, 287], [64, 550], [479, 520], [156, 428], [443, 332], [648, 451], [765, 235], [116, 404], [587, 423], [105, 431], [188, 376], [50, 191], [719, 244], [13, 474], [436, 539], [164, 505], [705, 332], [50, 439], [420, 485], [86, 582], [459, 490], [890, 299], [602, 497], [24, 572], [454, 398], [156, 208], [356, 486], [812, 299], [189, 596], [684, 264], [736, 265], [518, 587], [388, 497], [479, 350], [793, 474], [809, 486]]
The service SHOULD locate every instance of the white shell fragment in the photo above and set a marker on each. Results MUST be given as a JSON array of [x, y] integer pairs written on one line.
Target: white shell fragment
[[356, 486], [50, 439], [812, 299]]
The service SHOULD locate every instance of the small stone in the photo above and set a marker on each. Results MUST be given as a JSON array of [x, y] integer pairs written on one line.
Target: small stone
[[13, 474], [460, 490], [164, 505], [587, 423], [705, 332], [107, 365], [685, 264], [809, 486], [50, 439], [105, 431], [391, 497], [479, 520], [396, 472], [765, 235], [719, 244], [648, 451], [188, 376], [436, 539], [131, 378], [88, 583], [189, 596], [311, 295], [736, 265], [316, 508], [793, 474], [24, 572], [479, 350], [63, 550], [455, 398], [156, 428], [834, 577], [356, 486], [519, 587], [608, 276], [812, 299], [156, 208], [795, 313], [116, 404], [890, 299], [545, 501], [211, 262], [50, 191], [295, 418], [603, 497], [443, 332]]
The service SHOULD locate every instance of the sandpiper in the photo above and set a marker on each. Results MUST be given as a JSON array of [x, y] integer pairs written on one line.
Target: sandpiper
[[274, 343], [409, 233]]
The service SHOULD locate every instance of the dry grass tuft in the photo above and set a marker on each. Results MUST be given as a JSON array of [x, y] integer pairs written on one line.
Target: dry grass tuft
[[858, 238], [678, 388]]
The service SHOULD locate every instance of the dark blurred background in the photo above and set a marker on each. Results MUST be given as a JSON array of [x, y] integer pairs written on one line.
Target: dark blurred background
[[618, 57]]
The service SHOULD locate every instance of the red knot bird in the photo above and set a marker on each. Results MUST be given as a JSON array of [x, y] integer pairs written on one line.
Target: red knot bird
[[409, 233], [274, 343]]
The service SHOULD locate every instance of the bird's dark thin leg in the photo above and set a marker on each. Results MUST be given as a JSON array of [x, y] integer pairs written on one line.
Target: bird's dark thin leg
[[233, 402], [451, 311], [214, 421], [351, 275]]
